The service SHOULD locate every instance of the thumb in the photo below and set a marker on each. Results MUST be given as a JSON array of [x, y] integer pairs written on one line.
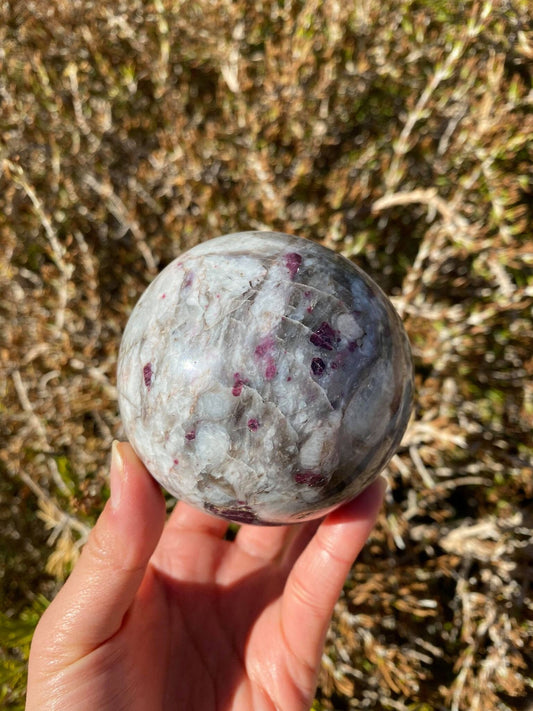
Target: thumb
[[90, 607]]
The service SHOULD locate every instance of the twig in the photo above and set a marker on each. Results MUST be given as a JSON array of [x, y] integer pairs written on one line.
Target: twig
[[420, 467], [117, 208], [39, 428], [58, 251]]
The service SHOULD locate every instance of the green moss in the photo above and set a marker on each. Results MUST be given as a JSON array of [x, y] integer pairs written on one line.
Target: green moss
[[16, 633]]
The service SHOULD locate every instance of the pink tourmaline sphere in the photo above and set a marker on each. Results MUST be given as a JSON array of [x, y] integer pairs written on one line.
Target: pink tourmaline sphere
[[264, 378]]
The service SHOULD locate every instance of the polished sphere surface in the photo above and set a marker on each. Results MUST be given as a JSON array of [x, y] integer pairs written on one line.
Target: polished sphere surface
[[264, 378]]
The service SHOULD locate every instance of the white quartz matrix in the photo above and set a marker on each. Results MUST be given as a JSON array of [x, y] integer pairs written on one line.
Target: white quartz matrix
[[264, 378]]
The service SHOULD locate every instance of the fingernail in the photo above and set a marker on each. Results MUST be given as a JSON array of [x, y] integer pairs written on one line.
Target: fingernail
[[116, 474], [385, 483]]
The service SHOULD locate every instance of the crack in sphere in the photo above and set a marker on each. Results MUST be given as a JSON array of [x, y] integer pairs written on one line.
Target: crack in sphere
[[264, 378]]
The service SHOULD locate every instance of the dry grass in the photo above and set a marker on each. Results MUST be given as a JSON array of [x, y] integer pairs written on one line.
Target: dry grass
[[398, 133]]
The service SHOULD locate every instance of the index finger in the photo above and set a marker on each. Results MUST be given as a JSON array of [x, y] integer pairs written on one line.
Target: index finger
[[317, 577]]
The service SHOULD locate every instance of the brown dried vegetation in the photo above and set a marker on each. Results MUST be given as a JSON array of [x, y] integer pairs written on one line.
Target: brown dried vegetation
[[398, 133]]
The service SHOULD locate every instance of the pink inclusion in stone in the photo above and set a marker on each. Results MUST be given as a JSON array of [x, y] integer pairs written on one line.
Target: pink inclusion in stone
[[313, 479], [253, 424], [147, 375], [293, 262], [325, 337], [318, 366], [238, 382], [271, 369], [264, 347], [263, 352]]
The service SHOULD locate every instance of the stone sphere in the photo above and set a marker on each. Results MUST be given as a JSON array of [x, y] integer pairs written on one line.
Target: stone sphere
[[264, 378]]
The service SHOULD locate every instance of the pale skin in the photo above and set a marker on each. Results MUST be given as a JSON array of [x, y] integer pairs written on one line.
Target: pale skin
[[167, 616]]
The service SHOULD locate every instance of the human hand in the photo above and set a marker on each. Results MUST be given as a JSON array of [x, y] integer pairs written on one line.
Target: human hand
[[158, 617]]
